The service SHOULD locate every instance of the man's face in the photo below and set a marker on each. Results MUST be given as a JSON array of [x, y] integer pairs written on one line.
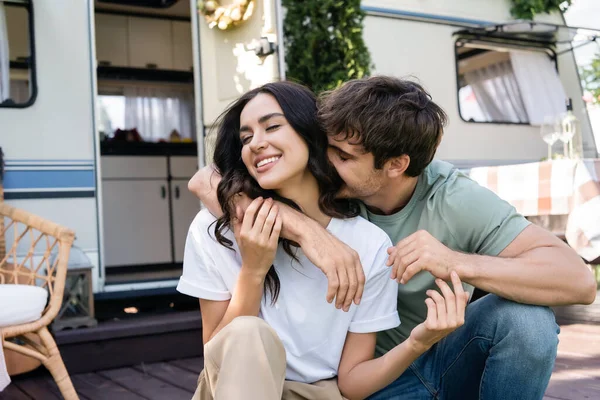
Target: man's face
[[356, 168]]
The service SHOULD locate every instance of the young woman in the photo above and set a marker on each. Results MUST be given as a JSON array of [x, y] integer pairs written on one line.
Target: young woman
[[268, 331]]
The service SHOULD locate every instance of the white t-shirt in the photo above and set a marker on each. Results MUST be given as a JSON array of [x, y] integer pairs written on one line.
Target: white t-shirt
[[313, 331]]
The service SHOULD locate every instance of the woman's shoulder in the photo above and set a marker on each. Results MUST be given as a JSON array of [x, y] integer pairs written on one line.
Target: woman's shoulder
[[358, 230], [203, 227]]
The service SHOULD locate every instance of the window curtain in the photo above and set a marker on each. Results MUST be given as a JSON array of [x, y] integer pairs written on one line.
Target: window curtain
[[541, 88], [497, 92], [156, 112], [4, 57]]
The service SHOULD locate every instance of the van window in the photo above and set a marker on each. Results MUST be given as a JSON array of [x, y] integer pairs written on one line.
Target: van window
[[17, 62], [512, 84], [155, 111]]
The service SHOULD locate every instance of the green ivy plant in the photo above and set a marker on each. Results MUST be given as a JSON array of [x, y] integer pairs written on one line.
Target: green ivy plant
[[324, 44], [590, 77], [526, 9]]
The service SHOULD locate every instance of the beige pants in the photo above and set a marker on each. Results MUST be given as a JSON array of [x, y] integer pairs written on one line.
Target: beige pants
[[246, 360]]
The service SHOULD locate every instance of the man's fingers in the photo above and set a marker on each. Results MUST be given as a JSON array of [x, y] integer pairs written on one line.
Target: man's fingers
[[333, 283], [352, 288], [406, 241], [441, 308], [250, 214], [360, 274], [340, 297], [402, 263], [450, 301], [410, 271]]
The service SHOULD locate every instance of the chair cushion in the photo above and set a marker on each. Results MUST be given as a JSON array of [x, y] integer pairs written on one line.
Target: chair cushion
[[21, 304]]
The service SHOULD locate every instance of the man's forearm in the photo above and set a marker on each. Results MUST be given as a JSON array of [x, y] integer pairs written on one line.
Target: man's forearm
[[204, 185], [547, 276]]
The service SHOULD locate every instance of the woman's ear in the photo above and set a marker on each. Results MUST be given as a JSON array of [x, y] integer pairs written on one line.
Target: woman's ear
[[397, 166]]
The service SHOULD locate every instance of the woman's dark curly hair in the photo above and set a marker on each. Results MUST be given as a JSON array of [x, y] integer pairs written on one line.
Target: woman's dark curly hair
[[299, 107]]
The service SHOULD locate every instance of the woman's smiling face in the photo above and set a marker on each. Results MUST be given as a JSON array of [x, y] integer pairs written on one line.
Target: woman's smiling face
[[272, 151]]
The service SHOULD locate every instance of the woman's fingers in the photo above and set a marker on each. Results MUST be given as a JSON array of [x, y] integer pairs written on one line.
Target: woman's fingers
[[431, 321], [237, 221], [261, 217], [274, 238], [461, 296], [250, 214], [267, 227], [450, 302], [440, 307]]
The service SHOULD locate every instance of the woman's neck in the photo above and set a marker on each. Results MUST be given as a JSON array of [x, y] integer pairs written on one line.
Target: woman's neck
[[305, 193]]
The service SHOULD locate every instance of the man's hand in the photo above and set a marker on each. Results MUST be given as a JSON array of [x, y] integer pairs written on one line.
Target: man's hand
[[340, 263], [421, 252]]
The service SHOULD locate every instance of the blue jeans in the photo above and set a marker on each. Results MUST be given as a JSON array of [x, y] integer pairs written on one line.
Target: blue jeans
[[505, 350]]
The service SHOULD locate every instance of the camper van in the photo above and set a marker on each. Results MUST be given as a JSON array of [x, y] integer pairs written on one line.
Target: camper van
[[106, 106]]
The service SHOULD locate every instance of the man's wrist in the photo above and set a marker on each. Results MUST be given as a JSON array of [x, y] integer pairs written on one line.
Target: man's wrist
[[465, 266], [295, 224]]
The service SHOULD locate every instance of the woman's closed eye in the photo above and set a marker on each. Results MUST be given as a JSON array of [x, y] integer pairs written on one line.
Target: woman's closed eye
[[246, 139], [272, 128]]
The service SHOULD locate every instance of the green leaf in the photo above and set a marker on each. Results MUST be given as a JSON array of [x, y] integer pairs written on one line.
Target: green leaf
[[324, 42]]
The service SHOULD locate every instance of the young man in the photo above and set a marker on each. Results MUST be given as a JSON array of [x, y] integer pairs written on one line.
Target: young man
[[383, 134]]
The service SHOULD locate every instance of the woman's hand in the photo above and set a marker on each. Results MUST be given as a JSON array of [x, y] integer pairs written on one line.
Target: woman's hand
[[445, 313], [257, 234]]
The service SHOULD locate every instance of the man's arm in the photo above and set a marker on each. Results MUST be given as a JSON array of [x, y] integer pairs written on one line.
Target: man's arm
[[338, 262], [535, 268], [204, 185]]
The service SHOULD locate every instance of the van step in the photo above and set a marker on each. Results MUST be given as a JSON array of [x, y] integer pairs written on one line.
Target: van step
[[120, 343]]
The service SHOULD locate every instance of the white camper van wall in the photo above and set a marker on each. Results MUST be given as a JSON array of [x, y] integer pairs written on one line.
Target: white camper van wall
[[226, 17]]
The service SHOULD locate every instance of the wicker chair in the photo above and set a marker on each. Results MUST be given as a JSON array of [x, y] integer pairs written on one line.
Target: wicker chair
[[28, 261]]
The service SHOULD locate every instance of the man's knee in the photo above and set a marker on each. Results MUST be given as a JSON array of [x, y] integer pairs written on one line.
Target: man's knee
[[531, 328]]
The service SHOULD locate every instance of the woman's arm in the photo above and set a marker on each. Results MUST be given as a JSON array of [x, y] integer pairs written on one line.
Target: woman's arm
[[340, 263], [256, 234], [361, 375]]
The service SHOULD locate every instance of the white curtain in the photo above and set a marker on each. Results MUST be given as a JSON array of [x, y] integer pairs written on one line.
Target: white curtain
[[497, 92], [4, 57], [541, 88], [156, 112]]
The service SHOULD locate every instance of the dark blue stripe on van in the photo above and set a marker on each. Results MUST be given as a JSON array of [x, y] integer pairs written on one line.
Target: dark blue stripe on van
[[49, 179], [74, 194]]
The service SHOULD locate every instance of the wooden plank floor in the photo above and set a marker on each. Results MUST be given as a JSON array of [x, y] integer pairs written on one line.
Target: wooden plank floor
[[576, 374], [173, 380]]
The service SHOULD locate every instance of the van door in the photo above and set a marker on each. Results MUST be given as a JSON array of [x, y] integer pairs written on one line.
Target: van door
[[229, 62]]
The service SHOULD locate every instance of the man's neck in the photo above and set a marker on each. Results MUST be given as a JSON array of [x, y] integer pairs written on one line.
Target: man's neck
[[393, 196]]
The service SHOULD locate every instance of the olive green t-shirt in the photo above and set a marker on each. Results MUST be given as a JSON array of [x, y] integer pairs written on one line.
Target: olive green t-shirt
[[458, 212]]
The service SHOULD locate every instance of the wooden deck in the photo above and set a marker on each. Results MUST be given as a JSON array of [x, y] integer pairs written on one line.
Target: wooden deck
[[576, 374], [173, 380]]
